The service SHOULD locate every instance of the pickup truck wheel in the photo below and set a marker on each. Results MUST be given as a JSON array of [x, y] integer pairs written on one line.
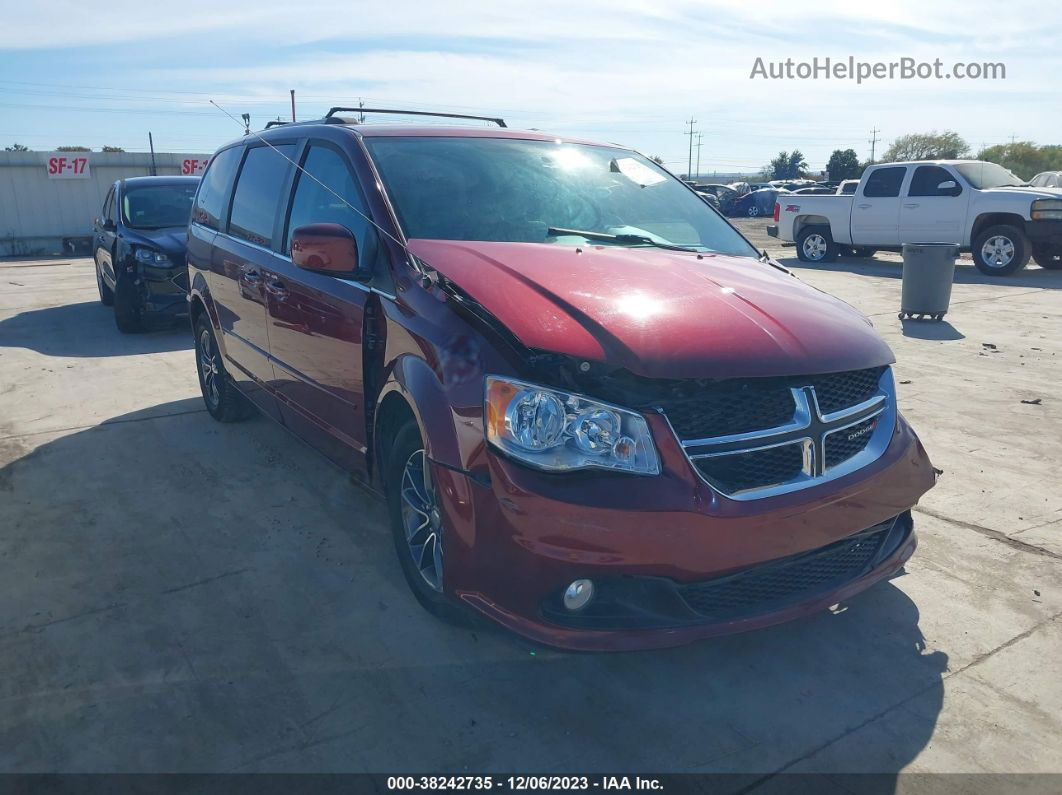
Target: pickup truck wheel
[[815, 244], [224, 401], [417, 524], [1000, 250], [1050, 259]]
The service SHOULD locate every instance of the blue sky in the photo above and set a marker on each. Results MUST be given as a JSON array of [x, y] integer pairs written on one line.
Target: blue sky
[[626, 70]]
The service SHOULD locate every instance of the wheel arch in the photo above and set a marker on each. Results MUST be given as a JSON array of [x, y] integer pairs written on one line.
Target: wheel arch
[[802, 222], [413, 391], [986, 220]]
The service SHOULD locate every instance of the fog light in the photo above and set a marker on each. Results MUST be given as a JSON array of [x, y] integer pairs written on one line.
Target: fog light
[[578, 594]]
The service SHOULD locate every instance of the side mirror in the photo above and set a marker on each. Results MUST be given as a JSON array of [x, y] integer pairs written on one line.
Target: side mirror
[[108, 225], [326, 248], [948, 187]]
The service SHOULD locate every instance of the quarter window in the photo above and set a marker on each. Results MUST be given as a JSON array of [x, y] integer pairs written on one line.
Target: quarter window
[[258, 192], [885, 183], [925, 181], [213, 191]]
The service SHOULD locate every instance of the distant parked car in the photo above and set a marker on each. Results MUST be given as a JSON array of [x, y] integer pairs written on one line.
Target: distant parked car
[[724, 194], [815, 191], [138, 243], [848, 187], [756, 204], [708, 197], [1047, 179]]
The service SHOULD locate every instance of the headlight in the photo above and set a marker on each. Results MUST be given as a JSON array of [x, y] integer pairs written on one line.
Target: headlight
[[148, 256], [1046, 209], [558, 431]]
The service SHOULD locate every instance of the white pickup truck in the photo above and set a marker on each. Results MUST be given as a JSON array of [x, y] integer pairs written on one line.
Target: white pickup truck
[[982, 207]]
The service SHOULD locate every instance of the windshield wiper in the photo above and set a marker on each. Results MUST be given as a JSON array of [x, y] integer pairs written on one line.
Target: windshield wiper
[[642, 240]]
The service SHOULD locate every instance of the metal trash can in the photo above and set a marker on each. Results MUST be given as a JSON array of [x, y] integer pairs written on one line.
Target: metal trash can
[[928, 271]]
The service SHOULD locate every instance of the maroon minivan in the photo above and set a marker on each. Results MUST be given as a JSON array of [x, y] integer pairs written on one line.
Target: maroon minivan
[[598, 415]]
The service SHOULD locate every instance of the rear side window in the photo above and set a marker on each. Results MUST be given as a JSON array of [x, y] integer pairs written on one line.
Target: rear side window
[[885, 182], [214, 189], [925, 181], [258, 191], [315, 203]]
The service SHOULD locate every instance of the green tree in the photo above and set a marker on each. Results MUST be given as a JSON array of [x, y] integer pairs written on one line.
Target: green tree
[[112, 149], [16, 147], [844, 164], [657, 159], [947, 145], [1024, 158], [72, 149], [788, 165]]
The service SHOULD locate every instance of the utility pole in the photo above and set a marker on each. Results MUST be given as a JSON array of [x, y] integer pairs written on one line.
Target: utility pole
[[689, 168], [699, 137], [361, 116], [873, 143], [151, 145], [246, 123], [292, 103]]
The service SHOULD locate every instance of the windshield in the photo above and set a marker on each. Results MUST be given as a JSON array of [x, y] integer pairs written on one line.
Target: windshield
[[497, 189], [157, 206], [988, 175]]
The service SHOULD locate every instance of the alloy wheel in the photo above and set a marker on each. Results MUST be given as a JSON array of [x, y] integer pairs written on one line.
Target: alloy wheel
[[208, 368], [997, 251], [814, 247], [422, 519]]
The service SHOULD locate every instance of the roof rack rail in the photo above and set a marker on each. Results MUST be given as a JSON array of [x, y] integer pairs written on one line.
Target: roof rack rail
[[276, 123], [499, 122]]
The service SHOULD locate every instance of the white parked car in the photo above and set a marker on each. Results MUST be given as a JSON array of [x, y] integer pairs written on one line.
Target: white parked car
[[1047, 179], [982, 207]]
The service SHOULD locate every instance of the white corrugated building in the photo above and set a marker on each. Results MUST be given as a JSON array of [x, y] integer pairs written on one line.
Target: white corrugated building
[[49, 199]]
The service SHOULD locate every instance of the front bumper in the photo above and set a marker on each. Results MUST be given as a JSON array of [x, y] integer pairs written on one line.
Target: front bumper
[[647, 543], [165, 290], [1044, 232]]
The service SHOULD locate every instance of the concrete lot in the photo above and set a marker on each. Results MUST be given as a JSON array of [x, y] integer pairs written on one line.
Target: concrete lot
[[184, 596]]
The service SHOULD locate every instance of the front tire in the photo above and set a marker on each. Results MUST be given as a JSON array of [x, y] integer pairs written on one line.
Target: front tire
[[753, 211], [224, 401], [1047, 258], [106, 293], [1000, 250], [417, 524], [128, 311], [815, 244]]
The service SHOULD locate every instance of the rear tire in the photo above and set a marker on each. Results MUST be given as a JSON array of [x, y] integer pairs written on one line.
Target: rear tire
[[815, 244], [416, 517], [224, 401], [1000, 250], [753, 211], [1047, 258], [128, 312]]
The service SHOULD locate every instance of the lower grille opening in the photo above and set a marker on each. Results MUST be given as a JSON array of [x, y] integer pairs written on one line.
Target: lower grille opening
[[755, 469], [763, 588]]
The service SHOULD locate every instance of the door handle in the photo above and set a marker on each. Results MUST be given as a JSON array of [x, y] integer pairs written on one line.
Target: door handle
[[277, 289], [863, 206], [911, 206]]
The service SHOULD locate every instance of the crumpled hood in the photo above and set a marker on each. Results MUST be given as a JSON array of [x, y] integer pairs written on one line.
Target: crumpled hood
[[659, 313], [171, 240]]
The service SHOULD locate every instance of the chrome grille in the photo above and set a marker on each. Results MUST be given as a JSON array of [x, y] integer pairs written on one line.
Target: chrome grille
[[834, 424]]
